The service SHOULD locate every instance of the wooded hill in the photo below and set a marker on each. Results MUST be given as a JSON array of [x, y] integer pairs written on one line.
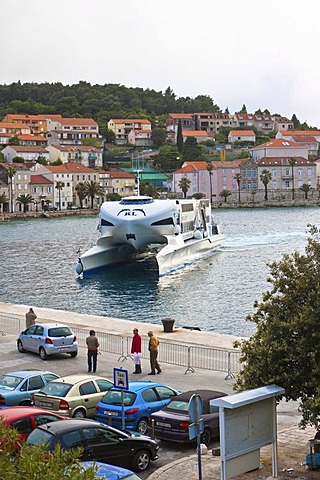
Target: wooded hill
[[100, 102]]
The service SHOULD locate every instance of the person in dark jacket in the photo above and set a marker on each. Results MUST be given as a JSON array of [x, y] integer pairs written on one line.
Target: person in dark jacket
[[92, 344], [136, 350]]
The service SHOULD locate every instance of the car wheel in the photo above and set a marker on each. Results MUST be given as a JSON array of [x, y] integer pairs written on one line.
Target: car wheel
[[20, 347], [42, 353], [206, 437], [79, 414], [73, 354], [142, 426], [141, 461]]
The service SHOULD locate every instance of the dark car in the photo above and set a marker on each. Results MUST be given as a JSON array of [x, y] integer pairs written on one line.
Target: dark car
[[110, 472], [26, 419], [172, 422], [99, 442], [140, 400]]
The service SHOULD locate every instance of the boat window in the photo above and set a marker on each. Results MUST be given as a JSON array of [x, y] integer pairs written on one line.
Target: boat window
[[105, 223], [187, 207], [165, 221], [133, 201]]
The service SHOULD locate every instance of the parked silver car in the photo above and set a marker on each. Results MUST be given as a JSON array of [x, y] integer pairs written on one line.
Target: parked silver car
[[48, 339]]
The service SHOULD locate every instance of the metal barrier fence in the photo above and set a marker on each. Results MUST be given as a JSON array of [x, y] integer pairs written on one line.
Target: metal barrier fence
[[189, 356]]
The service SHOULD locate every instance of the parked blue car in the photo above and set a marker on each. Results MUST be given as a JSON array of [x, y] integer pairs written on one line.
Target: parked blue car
[[110, 472], [17, 388], [140, 400]]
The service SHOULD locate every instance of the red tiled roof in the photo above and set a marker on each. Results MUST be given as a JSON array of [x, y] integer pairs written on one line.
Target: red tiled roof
[[17, 126], [16, 166], [36, 179], [77, 121], [29, 136], [194, 133], [278, 143], [130, 120], [118, 174], [300, 132], [70, 168], [180, 115], [304, 139], [28, 148], [243, 133]]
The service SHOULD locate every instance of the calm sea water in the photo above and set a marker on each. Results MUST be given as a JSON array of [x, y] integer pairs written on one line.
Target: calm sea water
[[38, 257]]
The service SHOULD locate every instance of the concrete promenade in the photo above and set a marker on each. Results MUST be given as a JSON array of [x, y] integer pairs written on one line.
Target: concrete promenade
[[292, 442]]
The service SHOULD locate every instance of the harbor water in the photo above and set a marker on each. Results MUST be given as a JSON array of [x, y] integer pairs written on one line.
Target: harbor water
[[38, 257]]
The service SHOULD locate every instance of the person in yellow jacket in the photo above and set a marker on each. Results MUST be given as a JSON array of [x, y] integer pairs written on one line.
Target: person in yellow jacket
[[153, 349]]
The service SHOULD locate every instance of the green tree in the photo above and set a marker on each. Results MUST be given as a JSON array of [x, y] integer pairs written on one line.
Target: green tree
[[243, 109], [191, 149], [93, 190], [238, 179], [81, 190], [305, 188], [296, 122], [158, 136], [42, 160], [113, 197], [14, 141], [33, 462], [265, 178], [184, 184], [25, 200], [284, 350], [210, 168], [168, 158], [225, 193], [18, 159], [3, 200], [179, 137], [90, 142], [59, 186], [11, 171], [292, 162]]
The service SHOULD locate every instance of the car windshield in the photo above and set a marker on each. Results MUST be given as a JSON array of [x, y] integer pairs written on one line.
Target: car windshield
[[113, 397], [9, 382], [59, 332], [178, 405], [56, 389], [39, 436]]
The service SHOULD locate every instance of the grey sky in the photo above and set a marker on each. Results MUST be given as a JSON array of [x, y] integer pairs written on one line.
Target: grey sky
[[263, 54]]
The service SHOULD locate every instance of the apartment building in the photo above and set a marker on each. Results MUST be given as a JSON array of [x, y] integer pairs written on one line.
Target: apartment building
[[88, 156], [123, 126], [71, 131]]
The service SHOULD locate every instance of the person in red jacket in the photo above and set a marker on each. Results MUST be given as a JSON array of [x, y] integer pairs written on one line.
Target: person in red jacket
[[136, 350]]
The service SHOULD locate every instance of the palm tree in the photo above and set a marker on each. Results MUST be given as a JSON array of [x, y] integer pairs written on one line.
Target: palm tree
[[238, 178], [11, 173], [265, 178], [59, 186], [81, 190], [184, 184], [93, 190], [225, 194], [305, 188], [25, 200], [292, 162], [3, 200], [210, 168]]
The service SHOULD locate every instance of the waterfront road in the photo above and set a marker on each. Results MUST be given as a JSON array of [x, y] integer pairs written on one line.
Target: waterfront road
[[174, 459]]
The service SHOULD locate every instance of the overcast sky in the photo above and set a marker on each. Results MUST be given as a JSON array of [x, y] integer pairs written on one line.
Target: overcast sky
[[263, 54]]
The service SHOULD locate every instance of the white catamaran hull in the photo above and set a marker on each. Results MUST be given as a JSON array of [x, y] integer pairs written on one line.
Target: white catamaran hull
[[179, 232]]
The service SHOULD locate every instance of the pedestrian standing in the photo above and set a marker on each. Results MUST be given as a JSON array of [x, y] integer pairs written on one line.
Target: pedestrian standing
[[30, 318], [153, 349], [136, 350], [93, 345]]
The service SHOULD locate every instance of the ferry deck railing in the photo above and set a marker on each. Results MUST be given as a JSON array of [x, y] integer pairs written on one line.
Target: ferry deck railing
[[191, 357]]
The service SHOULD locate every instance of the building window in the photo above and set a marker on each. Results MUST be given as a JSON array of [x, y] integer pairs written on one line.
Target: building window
[[299, 172], [274, 172], [287, 172], [287, 184], [309, 172], [274, 184], [300, 183], [34, 190]]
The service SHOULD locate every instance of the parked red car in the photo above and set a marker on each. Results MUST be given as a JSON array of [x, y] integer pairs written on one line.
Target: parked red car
[[26, 419]]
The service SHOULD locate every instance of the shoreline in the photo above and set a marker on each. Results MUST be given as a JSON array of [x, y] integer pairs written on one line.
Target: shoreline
[[121, 326]]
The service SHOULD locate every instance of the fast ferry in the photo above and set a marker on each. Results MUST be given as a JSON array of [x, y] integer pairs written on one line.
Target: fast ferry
[[176, 231]]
